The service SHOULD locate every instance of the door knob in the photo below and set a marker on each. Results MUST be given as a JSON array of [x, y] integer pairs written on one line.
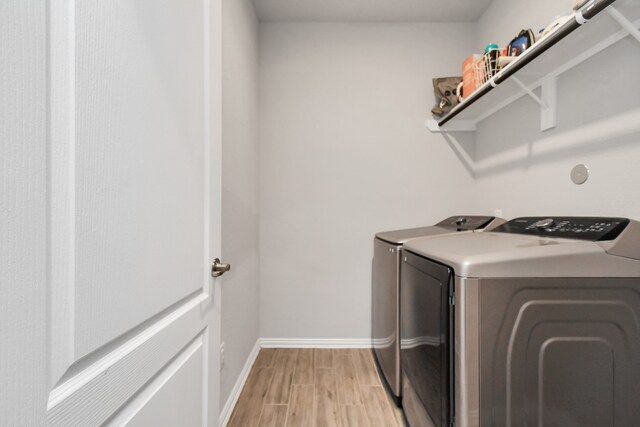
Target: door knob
[[218, 268]]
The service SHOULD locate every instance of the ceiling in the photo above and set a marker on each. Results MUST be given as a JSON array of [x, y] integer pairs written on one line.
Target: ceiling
[[370, 10]]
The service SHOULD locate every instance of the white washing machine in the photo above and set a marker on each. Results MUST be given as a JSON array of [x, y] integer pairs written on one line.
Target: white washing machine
[[386, 285], [536, 323]]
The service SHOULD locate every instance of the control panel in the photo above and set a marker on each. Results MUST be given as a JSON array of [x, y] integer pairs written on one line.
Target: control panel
[[594, 229], [462, 223]]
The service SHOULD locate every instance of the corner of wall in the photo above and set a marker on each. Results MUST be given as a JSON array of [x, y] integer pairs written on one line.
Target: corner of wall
[[240, 327], [227, 409]]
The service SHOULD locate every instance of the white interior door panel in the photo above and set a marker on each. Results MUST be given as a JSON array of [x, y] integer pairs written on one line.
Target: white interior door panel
[[139, 163], [134, 212]]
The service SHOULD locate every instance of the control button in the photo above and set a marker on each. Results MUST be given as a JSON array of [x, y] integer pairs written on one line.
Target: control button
[[544, 223], [461, 221]]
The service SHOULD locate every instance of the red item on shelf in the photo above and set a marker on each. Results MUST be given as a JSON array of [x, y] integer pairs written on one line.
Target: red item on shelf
[[469, 84]]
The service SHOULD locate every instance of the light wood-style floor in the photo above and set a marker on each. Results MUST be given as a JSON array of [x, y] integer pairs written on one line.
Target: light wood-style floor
[[314, 388]]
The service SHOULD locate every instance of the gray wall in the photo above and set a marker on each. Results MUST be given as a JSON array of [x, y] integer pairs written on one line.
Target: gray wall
[[240, 287], [24, 213], [526, 171], [344, 154]]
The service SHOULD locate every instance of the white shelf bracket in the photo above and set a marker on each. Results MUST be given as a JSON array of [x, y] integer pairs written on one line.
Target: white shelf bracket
[[548, 102], [528, 91], [624, 22], [453, 126], [549, 91]]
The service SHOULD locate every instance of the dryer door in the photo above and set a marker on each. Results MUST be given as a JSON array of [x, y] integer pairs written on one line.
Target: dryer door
[[426, 341], [386, 280]]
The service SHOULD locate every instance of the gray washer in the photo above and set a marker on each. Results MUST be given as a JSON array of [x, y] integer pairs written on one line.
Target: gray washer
[[534, 323], [386, 282]]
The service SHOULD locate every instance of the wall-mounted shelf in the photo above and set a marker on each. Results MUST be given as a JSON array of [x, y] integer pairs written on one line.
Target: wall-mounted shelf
[[542, 64]]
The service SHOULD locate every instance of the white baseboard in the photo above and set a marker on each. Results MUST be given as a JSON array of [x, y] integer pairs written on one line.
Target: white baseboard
[[315, 343], [225, 414]]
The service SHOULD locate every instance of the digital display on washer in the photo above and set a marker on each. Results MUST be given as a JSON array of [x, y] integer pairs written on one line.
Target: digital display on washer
[[593, 229]]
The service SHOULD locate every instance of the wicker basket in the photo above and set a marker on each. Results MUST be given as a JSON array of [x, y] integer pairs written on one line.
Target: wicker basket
[[486, 67]]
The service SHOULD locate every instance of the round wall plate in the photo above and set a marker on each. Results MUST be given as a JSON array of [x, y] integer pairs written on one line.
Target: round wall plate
[[579, 174]]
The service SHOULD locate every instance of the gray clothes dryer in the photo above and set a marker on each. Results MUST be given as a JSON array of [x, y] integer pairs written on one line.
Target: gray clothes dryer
[[386, 283], [535, 323]]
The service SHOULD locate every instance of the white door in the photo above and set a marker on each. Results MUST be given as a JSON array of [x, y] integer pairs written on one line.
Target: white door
[[110, 212]]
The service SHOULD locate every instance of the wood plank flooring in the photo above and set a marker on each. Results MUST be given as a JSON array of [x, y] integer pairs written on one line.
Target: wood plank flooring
[[314, 388]]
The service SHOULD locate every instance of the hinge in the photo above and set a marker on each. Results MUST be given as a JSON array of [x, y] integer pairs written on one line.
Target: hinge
[[452, 299]]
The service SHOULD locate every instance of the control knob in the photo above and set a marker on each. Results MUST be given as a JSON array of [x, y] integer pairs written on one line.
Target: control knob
[[544, 223], [461, 221]]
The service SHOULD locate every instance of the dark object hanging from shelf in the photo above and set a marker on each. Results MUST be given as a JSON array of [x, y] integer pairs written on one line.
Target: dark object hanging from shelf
[[447, 96]]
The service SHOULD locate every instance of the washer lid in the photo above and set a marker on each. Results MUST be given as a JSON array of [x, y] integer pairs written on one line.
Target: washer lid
[[499, 254], [450, 225]]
